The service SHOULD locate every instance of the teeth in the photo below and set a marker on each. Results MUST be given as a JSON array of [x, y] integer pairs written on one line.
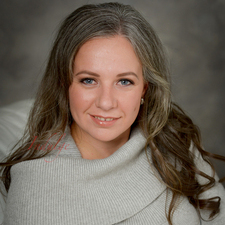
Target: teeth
[[103, 119], [109, 119]]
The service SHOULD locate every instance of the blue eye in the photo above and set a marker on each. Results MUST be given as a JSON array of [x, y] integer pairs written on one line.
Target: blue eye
[[87, 81], [125, 82]]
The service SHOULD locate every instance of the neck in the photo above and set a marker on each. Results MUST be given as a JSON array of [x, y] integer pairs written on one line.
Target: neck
[[91, 148]]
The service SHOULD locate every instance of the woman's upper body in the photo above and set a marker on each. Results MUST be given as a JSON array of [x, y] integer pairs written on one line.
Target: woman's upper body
[[106, 86], [64, 188], [120, 189]]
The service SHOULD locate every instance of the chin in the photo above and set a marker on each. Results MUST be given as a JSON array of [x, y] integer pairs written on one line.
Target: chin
[[110, 136]]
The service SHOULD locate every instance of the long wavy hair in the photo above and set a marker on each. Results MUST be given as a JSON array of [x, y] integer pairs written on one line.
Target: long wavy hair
[[169, 131]]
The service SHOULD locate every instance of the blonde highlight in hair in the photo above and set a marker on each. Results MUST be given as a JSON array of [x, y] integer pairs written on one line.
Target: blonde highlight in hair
[[170, 133]]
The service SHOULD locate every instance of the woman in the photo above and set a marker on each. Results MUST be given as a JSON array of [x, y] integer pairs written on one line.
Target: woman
[[104, 142]]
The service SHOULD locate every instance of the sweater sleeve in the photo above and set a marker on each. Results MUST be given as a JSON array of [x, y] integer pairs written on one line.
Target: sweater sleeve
[[216, 190], [13, 119]]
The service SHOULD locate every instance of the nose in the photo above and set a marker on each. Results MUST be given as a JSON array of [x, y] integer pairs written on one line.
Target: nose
[[106, 99]]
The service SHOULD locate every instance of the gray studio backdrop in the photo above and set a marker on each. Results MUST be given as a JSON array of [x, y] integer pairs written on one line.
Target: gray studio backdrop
[[193, 33]]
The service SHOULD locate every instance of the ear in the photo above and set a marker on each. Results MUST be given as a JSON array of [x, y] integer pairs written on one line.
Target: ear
[[144, 89]]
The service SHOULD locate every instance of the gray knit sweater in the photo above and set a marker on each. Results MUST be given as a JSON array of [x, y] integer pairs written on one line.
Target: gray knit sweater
[[66, 189]]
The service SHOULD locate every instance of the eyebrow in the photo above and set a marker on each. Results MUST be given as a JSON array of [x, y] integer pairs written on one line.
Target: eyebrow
[[127, 74], [87, 72], [97, 75]]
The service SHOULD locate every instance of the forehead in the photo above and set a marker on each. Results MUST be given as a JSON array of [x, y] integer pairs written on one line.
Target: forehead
[[110, 53]]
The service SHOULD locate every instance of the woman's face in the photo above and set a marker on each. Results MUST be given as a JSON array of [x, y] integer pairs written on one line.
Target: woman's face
[[106, 90]]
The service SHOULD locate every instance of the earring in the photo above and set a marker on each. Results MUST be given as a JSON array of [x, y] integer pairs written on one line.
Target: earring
[[142, 101]]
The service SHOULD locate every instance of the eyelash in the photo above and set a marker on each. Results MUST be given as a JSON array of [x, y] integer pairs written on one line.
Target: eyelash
[[127, 80], [84, 81], [87, 79]]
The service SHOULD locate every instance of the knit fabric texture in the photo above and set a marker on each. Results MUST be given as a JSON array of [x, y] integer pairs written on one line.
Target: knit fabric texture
[[64, 188]]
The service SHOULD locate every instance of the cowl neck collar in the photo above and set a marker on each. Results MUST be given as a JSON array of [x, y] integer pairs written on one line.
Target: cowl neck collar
[[102, 191]]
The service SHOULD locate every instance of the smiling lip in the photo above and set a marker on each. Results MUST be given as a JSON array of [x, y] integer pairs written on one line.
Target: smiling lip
[[104, 121]]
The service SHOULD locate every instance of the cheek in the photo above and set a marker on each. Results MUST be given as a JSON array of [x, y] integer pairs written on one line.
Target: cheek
[[79, 98], [131, 103], [136, 109], [75, 99], [76, 95]]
